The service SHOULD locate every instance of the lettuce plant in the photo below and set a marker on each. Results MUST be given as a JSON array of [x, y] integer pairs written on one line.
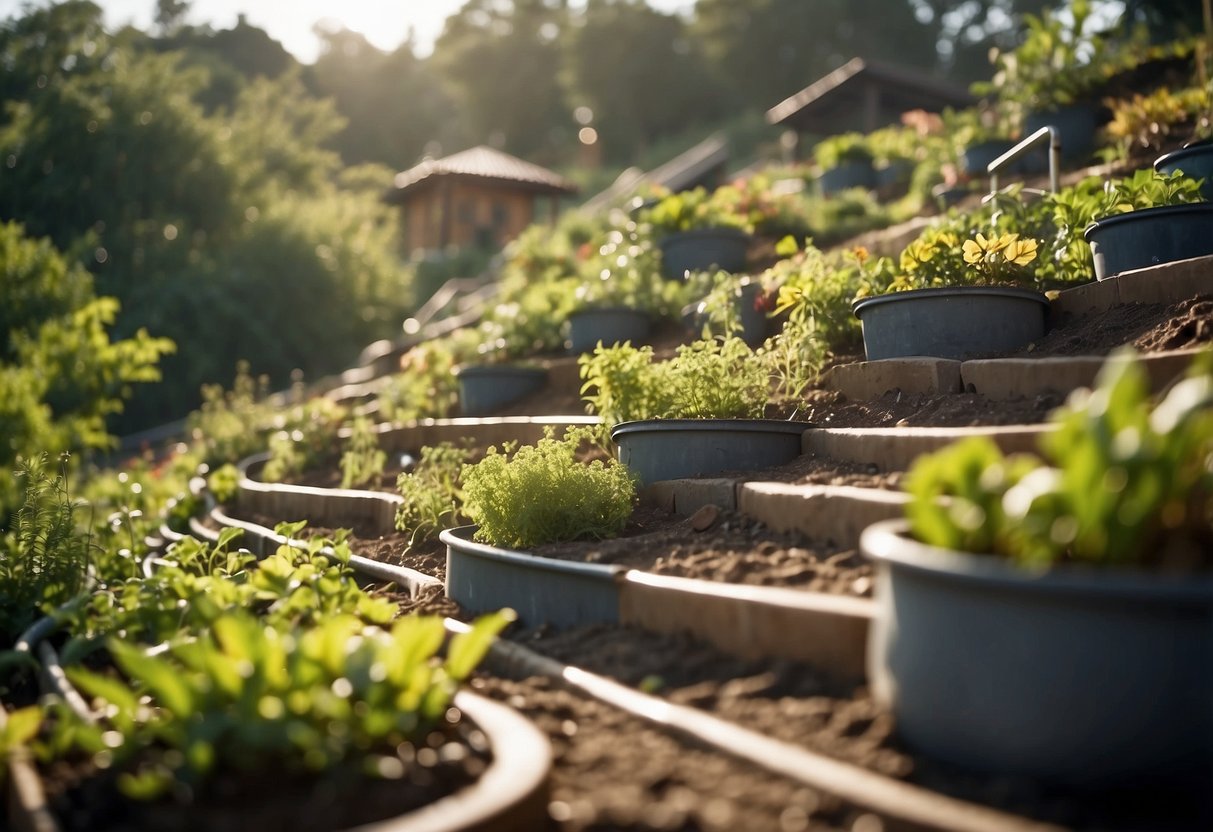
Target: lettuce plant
[[251, 697], [1119, 481]]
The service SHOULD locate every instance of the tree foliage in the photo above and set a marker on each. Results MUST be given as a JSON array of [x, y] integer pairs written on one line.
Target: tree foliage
[[61, 375]]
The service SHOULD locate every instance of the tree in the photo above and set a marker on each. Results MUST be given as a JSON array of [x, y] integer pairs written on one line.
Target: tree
[[61, 375], [393, 103], [640, 73], [170, 15], [500, 59], [770, 49]]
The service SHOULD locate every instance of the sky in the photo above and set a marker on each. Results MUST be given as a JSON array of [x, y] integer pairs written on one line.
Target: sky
[[385, 23]]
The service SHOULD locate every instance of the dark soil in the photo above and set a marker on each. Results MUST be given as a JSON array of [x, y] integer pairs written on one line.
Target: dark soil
[[793, 703], [86, 798], [1145, 327], [827, 409], [723, 546], [613, 772]]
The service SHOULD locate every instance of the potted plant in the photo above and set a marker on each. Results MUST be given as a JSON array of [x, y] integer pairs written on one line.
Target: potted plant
[[1149, 219], [697, 231], [488, 378], [978, 137], [845, 161], [619, 294], [1052, 616], [699, 413], [1053, 76], [956, 298]]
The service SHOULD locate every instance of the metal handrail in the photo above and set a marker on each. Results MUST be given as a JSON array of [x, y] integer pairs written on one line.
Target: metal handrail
[[1022, 148]]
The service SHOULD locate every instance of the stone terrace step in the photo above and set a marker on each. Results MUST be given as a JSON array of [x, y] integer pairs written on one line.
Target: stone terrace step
[[1003, 378], [831, 513], [994, 378]]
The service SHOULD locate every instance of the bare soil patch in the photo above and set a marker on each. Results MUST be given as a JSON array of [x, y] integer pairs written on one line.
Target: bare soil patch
[[724, 546]]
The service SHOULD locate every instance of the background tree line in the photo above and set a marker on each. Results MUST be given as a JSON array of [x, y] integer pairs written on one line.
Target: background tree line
[[228, 197]]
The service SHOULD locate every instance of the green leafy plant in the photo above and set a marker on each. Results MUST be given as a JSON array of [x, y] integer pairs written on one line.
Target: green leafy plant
[[362, 460], [1061, 59], [17, 729], [231, 424], [224, 483], [196, 583], [713, 378], [695, 209], [543, 493], [249, 697], [305, 435], [1148, 122], [45, 557], [843, 148], [432, 492], [1120, 481]]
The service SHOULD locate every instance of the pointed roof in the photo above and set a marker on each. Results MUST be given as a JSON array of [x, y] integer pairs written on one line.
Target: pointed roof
[[914, 87], [482, 163]]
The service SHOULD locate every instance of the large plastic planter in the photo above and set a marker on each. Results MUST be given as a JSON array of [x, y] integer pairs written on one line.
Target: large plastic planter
[[671, 449], [976, 158], [1085, 677], [485, 388], [853, 174], [1195, 161], [703, 249], [608, 325], [962, 322], [1150, 236], [1075, 123]]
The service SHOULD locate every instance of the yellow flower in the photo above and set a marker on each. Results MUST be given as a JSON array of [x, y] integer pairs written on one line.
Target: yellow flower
[[1020, 252], [915, 254], [860, 254], [973, 251]]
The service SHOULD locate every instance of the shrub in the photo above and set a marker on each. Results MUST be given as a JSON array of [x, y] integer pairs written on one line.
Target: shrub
[[432, 492], [542, 493]]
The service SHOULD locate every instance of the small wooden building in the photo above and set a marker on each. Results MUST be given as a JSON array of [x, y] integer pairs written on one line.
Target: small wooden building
[[863, 96], [476, 198]]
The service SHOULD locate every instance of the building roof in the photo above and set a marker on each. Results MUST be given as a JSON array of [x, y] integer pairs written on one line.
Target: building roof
[[699, 165], [913, 87], [481, 163]]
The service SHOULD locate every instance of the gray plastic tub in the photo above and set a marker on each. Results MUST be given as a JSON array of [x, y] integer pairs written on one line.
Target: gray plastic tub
[[1195, 161], [1085, 677], [609, 325], [485, 388], [702, 249], [961, 322], [541, 590], [671, 449], [1150, 236]]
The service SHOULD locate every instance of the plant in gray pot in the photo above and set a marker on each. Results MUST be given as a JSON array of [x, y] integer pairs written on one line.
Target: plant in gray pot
[[699, 231], [619, 295], [1147, 220], [1053, 616], [982, 312], [1194, 160], [845, 161], [697, 414]]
